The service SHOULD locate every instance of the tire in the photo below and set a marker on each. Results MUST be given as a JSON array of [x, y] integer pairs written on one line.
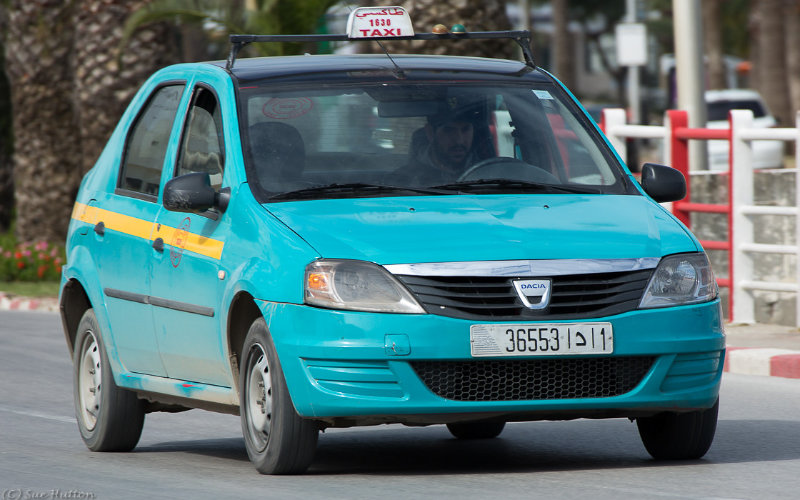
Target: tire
[[277, 439], [109, 418], [476, 430], [679, 436]]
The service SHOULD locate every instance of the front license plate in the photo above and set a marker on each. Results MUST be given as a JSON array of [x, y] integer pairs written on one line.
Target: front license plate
[[541, 339]]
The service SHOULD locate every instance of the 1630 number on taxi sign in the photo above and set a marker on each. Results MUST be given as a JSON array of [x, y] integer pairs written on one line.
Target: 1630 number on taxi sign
[[541, 339]]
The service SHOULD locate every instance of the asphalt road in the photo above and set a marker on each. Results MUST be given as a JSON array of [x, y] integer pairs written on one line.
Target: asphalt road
[[198, 454]]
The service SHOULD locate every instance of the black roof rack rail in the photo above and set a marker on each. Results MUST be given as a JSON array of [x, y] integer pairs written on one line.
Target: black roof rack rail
[[523, 39]]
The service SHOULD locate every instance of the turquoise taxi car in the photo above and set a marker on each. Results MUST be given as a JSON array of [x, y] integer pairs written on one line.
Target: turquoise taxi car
[[344, 240]]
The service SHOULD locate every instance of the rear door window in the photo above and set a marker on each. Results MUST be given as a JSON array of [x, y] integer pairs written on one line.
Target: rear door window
[[143, 159]]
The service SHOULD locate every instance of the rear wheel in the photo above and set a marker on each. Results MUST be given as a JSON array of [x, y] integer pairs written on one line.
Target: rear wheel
[[679, 436], [476, 430], [277, 439], [109, 418]]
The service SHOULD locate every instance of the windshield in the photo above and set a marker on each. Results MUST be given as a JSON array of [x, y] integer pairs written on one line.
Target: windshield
[[401, 139]]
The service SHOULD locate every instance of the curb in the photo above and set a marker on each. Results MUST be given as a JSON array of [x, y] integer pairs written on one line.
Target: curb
[[14, 303], [766, 362]]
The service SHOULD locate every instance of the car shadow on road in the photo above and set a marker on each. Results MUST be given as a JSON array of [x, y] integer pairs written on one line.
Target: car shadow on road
[[523, 447], [228, 448], [533, 447]]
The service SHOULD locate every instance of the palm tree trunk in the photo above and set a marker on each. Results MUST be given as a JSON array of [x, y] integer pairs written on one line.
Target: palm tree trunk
[[68, 91], [104, 82], [6, 141], [562, 43], [792, 23], [46, 145], [712, 39], [771, 61]]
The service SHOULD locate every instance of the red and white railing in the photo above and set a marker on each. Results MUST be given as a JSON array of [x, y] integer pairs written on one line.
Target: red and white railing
[[740, 207]]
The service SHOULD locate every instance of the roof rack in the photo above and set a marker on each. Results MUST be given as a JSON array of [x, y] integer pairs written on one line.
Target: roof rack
[[523, 39]]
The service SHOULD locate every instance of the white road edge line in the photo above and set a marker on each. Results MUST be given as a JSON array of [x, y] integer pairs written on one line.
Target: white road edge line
[[56, 418]]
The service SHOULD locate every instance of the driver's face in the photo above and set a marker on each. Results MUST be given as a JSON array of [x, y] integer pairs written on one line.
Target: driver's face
[[452, 142]]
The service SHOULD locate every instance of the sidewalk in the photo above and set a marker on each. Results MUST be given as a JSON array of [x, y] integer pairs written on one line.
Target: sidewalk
[[771, 350]]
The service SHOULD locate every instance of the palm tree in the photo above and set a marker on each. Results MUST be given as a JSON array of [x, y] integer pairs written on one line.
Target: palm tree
[[488, 15], [214, 20], [6, 140], [105, 79], [770, 63], [47, 150], [562, 43], [67, 93], [792, 23], [712, 39]]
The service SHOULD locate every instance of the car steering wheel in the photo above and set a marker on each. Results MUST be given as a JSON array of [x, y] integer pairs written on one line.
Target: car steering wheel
[[507, 168]]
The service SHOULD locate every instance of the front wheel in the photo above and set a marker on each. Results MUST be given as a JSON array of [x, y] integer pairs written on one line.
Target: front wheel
[[277, 439], [679, 436], [109, 418]]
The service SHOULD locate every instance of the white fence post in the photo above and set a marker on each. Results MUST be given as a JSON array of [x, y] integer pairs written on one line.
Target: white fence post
[[741, 170], [797, 216], [666, 143], [614, 118]]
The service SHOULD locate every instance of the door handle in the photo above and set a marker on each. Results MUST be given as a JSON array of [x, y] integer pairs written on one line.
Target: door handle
[[100, 228], [158, 244]]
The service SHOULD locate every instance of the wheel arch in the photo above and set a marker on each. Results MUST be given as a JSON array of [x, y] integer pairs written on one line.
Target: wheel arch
[[73, 304], [242, 313]]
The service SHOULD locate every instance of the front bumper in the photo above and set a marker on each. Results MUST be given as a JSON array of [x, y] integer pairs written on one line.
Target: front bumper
[[351, 368]]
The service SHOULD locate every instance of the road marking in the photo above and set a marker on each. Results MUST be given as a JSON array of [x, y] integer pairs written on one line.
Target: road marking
[[36, 414]]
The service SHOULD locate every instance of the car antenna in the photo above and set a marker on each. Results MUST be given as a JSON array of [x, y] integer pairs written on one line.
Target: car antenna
[[399, 73]]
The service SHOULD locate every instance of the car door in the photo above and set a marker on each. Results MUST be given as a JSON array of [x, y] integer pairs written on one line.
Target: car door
[[186, 282], [124, 222]]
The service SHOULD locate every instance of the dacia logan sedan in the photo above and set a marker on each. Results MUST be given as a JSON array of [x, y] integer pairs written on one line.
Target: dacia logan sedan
[[344, 240]]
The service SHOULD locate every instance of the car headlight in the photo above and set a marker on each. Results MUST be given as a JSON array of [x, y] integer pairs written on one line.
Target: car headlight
[[680, 279], [357, 286]]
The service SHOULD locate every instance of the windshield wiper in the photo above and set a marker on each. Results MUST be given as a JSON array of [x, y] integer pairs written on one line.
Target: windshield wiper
[[516, 185], [338, 190]]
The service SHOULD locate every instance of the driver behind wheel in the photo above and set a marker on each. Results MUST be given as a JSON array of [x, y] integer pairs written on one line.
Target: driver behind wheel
[[445, 151]]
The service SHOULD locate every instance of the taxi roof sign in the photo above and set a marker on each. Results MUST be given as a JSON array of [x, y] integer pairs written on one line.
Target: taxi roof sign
[[383, 23], [379, 22]]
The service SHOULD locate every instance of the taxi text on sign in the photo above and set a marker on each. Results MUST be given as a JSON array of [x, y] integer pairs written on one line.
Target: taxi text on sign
[[379, 22]]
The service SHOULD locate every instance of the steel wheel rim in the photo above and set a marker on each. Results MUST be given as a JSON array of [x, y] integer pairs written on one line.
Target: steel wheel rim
[[89, 382], [259, 398]]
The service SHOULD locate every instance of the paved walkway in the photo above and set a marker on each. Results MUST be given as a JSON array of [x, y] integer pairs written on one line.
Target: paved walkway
[[771, 350]]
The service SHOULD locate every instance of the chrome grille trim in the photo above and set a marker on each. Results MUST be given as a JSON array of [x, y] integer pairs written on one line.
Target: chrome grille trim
[[554, 267]]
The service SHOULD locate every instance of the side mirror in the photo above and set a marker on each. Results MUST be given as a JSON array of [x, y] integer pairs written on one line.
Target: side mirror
[[193, 193], [663, 183]]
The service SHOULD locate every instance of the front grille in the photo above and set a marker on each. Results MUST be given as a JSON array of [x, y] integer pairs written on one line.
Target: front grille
[[573, 296], [533, 379]]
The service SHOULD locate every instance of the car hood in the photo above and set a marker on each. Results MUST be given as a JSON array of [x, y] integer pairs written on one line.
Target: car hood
[[485, 227]]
